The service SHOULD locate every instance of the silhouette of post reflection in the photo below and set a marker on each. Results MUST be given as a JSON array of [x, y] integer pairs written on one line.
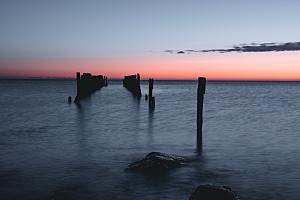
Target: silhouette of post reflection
[[69, 99], [150, 127], [200, 95]]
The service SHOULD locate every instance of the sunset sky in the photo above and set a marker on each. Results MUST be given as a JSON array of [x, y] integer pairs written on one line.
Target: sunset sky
[[119, 37]]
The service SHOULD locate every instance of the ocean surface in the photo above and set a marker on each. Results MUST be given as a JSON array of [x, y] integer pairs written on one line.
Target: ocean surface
[[50, 149]]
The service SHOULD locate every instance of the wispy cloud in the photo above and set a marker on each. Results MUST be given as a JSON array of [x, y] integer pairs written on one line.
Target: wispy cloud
[[253, 47]]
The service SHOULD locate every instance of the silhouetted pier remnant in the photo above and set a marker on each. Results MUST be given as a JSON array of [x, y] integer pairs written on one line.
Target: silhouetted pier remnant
[[132, 83], [151, 97], [69, 99], [87, 84], [146, 97], [200, 95]]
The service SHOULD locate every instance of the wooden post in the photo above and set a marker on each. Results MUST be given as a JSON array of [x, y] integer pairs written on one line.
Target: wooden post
[[77, 98], [105, 80], [78, 83], [150, 91], [200, 95], [139, 92]]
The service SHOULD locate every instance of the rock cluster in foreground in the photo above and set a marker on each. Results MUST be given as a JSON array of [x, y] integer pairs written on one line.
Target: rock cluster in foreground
[[212, 192], [156, 162]]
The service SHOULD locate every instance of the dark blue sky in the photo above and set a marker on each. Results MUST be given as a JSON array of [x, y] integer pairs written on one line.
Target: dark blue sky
[[111, 27]]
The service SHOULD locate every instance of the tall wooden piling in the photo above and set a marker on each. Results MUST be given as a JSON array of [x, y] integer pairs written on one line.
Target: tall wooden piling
[[77, 98], [138, 78], [105, 80], [150, 91], [200, 95], [78, 82]]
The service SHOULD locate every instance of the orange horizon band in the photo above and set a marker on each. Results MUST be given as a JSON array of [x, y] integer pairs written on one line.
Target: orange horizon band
[[235, 66]]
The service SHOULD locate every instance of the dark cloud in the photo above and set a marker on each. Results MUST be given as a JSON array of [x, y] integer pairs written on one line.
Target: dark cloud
[[175, 51], [170, 51], [253, 47]]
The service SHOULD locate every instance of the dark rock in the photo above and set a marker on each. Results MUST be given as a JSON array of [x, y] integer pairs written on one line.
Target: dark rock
[[156, 162], [212, 192]]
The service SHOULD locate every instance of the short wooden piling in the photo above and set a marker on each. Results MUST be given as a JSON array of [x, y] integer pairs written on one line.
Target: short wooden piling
[[200, 95]]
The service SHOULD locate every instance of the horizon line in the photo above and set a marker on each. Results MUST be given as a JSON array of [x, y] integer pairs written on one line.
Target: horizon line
[[159, 79]]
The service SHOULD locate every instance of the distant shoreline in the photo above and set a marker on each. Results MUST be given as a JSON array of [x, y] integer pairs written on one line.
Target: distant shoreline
[[116, 79]]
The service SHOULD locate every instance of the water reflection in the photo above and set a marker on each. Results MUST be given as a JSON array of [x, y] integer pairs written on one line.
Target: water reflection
[[83, 114], [150, 126]]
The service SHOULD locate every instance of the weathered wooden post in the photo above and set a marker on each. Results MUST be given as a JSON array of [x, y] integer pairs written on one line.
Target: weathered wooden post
[[77, 98], [138, 78], [150, 91], [200, 95], [106, 81], [78, 82]]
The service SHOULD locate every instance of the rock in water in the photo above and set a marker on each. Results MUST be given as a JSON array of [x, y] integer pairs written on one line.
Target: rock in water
[[212, 192], [156, 162]]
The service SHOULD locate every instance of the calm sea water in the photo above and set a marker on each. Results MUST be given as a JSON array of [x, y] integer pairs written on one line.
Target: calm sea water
[[52, 150]]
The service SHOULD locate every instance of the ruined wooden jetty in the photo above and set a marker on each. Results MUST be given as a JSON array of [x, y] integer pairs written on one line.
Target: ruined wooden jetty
[[87, 84], [200, 96], [132, 83]]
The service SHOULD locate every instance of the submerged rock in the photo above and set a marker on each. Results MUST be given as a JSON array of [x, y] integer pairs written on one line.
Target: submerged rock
[[156, 162], [212, 192]]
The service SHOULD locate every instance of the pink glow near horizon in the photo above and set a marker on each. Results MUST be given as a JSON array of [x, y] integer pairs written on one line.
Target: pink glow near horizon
[[235, 66]]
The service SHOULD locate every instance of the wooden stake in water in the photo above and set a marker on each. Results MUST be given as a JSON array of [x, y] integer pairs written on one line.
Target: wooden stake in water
[[150, 91], [200, 95], [78, 83], [77, 98]]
